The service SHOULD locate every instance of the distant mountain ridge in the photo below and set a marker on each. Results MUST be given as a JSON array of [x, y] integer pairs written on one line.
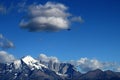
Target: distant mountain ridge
[[28, 68]]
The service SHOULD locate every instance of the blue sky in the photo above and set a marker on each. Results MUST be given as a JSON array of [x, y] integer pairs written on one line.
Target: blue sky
[[98, 37]]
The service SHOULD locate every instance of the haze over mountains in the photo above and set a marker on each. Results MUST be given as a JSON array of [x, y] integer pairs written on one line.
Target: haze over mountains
[[28, 68]]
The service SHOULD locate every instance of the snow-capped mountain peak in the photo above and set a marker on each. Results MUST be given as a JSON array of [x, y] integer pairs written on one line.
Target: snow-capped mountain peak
[[28, 60], [32, 63]]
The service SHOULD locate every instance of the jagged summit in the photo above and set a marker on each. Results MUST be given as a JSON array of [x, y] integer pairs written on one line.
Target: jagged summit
[[32, 63], [28, 60]]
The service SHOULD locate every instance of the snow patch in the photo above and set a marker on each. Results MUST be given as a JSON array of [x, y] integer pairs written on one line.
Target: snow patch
[[32, 63], [17, 64], [61, 74]]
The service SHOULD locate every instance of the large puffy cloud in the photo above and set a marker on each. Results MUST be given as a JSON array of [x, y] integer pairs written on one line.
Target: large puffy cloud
[[5, 43], [45, 58], [48, 17], [38, 17], [6, 57]]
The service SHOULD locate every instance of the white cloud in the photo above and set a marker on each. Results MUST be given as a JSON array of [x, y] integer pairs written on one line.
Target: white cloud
[[48, 17], [42, 17], [45, 58], [5, 43], [86, 64], [6, 57]]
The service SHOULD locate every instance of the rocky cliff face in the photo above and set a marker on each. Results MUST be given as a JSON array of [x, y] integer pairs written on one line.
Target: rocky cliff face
[[65, 70]]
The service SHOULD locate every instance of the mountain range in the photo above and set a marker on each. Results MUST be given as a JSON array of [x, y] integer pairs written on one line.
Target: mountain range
[[28, 68]]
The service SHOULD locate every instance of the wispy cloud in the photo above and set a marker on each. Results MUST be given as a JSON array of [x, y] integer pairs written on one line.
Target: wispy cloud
[[5, 43], [7, 7], [6, 57], [2, 9], [77, 19], [45, 58]]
